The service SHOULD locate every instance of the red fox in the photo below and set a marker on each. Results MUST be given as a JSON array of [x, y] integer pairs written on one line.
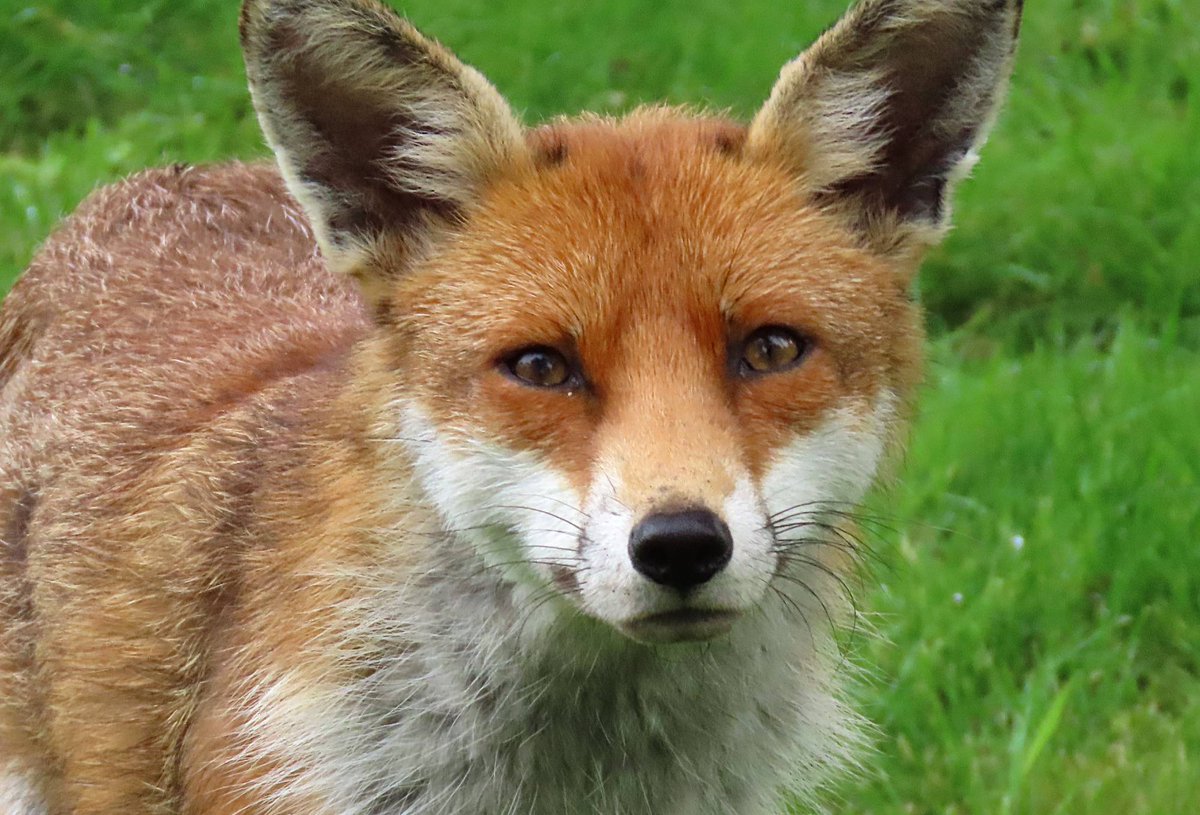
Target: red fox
[[455, 467]]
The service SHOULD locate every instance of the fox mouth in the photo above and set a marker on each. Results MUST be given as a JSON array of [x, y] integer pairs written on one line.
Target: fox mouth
[[680, 625]]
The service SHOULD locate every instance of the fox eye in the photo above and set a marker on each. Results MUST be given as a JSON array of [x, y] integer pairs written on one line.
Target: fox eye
[[772, 348], [539, 366]]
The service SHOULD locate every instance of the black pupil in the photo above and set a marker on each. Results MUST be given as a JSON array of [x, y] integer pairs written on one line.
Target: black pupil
[[778, 347], [540, 367], [773, 349]]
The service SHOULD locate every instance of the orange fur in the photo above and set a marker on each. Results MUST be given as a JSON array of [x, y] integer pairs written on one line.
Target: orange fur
[[717, 244]]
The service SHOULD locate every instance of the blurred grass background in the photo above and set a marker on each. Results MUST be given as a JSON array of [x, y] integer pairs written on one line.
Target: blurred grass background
[[1039, 598]]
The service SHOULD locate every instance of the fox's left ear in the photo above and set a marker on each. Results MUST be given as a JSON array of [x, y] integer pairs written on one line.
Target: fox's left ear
[[884, 113]]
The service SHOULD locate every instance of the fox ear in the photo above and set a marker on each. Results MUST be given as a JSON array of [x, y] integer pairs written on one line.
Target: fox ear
[[884, 113], [381, 133]]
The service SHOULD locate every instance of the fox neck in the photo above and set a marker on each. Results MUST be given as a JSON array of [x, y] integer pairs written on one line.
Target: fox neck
[[480, 677]]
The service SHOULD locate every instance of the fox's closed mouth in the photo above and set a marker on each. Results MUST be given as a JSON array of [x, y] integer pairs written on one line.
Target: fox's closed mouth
[[682, 625]]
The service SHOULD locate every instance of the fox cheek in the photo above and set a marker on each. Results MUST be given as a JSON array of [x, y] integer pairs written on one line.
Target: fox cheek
[[831, 466], [521, 514]]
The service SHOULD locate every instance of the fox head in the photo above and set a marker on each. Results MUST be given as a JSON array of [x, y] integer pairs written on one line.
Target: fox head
[[640, 362]]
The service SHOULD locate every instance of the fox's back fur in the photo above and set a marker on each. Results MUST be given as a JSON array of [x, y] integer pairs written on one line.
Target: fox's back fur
[[148, 401], [289, 524]]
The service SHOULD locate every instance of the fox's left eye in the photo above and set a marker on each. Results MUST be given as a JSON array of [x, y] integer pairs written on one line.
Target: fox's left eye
[[772, 348], [539, 366]]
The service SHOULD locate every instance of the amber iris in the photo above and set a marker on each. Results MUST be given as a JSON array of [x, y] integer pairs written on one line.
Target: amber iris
[[772, 348], [540, 366]]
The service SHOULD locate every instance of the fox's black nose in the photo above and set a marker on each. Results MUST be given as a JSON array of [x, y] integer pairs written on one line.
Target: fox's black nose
[[680, 549]]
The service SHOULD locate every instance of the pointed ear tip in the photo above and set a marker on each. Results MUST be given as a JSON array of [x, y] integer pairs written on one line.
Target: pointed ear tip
[[253, 10], [1011, 11]]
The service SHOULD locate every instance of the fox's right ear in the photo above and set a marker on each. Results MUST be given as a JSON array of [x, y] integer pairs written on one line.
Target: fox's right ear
[[381, 133]]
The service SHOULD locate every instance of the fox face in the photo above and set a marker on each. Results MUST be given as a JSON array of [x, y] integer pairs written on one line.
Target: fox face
[[640, 363]]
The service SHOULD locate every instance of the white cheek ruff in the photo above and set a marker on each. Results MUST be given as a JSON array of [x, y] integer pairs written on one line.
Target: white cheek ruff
[[524, 519], [519, 513], [834, 465], [811, 482]]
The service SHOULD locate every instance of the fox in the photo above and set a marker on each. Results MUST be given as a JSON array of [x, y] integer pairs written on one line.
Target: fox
[[449, 465]]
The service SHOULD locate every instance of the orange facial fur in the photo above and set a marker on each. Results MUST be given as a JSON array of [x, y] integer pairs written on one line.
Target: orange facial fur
[[647, 248]]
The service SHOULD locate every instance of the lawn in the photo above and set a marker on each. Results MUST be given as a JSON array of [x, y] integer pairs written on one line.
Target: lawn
[[1037, 590]]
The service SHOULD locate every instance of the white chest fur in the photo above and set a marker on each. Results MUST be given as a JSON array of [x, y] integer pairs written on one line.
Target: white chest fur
[[477, 706]]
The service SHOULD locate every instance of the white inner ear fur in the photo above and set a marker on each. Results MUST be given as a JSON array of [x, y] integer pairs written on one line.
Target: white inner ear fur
[[896, 99], [826, 120], [455, 132]]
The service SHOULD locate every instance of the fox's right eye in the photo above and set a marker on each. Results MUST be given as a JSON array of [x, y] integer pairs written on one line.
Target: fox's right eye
[[539, 366]]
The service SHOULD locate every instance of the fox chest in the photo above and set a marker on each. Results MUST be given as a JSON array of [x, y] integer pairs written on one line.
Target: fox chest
[[704, 735]]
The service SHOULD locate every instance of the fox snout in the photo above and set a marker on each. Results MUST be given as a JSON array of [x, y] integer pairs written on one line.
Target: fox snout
[[680, 550]]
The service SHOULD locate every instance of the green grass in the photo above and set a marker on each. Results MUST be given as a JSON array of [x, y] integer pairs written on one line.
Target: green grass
[[1062, 676], [1040, 601]]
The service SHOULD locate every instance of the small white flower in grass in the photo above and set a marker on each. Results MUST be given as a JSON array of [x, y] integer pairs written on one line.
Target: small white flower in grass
[[1018, 542], [958, 598]]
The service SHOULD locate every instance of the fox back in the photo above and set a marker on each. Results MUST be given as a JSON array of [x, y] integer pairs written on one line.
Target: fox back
[[457, 467]]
